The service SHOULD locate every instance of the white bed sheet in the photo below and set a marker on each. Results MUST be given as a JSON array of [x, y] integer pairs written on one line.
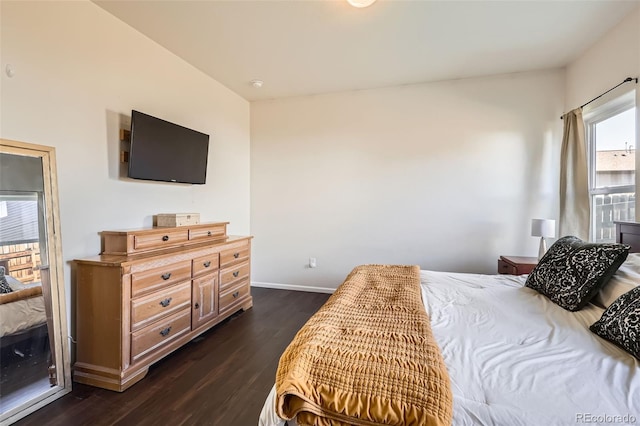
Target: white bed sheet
[[515, 358]]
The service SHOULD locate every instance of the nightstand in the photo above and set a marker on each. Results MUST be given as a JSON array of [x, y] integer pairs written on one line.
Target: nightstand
[[516, 265]]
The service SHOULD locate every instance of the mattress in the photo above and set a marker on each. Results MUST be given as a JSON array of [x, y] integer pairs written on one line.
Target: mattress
[[515, 358]]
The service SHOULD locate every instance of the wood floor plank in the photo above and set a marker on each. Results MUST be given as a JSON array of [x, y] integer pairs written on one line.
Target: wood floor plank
[[220, 378]]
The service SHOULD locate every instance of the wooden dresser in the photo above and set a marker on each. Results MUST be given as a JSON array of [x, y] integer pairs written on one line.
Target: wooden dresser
[[151, 291]]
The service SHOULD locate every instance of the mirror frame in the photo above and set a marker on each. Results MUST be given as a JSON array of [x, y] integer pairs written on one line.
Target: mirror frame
[[60, 342]]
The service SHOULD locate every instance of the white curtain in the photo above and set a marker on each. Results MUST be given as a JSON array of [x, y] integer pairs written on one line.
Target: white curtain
[[575, 213]]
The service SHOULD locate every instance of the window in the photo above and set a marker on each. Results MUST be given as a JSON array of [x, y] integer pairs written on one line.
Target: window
[[611, 136], [18, 219]]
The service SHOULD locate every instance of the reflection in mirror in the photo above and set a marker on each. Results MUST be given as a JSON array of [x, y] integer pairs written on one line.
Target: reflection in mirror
[[28, 373], [24, 343]]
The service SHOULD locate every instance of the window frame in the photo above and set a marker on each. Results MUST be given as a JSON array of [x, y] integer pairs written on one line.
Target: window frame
[[591, 119]]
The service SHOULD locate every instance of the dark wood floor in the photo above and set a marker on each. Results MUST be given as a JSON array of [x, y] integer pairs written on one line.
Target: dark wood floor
[[220, 378], [23, 361]]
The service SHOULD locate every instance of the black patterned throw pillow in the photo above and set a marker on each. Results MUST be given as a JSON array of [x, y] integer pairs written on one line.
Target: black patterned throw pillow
[[572, 271], [620, 323], [4, 285]]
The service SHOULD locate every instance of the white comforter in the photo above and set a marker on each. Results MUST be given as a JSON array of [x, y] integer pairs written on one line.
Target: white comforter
[[515, 358]]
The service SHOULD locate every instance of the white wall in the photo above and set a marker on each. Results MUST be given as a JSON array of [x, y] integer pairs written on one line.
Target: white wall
[[445, 175], [605, 64], [79, 72]]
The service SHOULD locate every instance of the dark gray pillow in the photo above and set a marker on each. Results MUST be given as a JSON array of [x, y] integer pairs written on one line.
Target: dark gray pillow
[[572, 271], [620, 323], [4, 285]]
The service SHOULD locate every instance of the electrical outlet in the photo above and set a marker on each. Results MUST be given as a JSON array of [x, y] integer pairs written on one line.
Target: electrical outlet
[[312, 262]]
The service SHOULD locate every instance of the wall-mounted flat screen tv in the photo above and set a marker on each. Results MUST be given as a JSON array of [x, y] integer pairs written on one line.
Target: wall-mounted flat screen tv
[[164, 151]]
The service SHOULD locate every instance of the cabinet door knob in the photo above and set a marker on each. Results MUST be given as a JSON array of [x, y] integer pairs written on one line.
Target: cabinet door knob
[[166, 302], [196, 306], [208, 233], [166, 276], [206, 264], [236, 255], [165, 331], [236, 294], [236, 273], [165, 238]]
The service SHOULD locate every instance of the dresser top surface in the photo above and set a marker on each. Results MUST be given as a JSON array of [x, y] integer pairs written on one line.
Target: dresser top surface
[[117, 260], [149, 230]]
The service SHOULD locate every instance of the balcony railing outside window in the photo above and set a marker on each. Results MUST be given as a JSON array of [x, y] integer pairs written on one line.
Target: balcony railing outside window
[[609, 208]]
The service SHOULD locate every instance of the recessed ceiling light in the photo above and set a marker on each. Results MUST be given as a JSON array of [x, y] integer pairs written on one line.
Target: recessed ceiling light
[[361, 3], [257, 83]]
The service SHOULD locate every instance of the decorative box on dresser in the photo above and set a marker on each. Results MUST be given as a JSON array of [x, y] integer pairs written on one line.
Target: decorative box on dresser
[[151, 291]]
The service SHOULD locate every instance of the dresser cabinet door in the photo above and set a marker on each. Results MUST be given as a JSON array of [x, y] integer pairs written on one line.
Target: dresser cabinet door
[[204, 299]]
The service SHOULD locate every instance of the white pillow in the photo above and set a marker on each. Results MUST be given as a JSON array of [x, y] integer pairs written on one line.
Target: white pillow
[[625, 279]]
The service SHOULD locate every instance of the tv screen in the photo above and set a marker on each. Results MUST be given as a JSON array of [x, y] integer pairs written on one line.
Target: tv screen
[[163, 151]]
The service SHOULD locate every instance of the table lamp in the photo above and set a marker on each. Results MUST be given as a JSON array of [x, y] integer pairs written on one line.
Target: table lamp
[[543, 228]]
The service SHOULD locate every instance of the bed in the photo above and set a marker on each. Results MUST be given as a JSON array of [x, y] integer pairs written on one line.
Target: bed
[[514, 357], [22, 311]]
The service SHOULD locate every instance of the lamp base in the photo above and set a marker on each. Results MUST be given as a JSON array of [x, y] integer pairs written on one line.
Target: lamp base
[[543, 248]]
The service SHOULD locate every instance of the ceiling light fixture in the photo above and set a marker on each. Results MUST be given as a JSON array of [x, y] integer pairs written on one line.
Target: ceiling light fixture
[[257, 83], [361, 3]]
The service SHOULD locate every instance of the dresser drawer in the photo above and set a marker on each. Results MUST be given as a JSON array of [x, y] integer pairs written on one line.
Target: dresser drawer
[[213, 231], [205, 264], [147, 309], [234, 273], [167, 237], [156, 278], [229, 298], [238, 254], [160, 333]]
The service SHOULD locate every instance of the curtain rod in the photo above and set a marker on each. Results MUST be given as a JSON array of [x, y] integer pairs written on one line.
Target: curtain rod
[[626, 80]]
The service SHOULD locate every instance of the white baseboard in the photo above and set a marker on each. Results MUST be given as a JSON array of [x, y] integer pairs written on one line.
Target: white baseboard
[[293, 287]]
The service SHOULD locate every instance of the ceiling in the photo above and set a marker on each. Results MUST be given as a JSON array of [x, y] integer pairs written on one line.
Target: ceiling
[[305, 47]]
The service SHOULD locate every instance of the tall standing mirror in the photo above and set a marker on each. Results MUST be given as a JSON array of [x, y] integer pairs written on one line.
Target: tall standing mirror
[[34, 353]]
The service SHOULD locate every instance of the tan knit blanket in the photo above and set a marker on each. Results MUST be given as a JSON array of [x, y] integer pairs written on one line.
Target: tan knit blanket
[[22, 293], [367, 357]]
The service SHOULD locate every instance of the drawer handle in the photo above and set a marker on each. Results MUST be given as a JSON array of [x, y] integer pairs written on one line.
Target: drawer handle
[[236, 255], [166, 302], [236, 294], [165, 238], [165, 331], [196, 306], [208, 233], [166, 276], [236, 273], [206, 264]]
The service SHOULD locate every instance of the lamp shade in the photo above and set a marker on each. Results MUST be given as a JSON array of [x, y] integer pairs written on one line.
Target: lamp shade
[[543, 228], [361, 3]]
